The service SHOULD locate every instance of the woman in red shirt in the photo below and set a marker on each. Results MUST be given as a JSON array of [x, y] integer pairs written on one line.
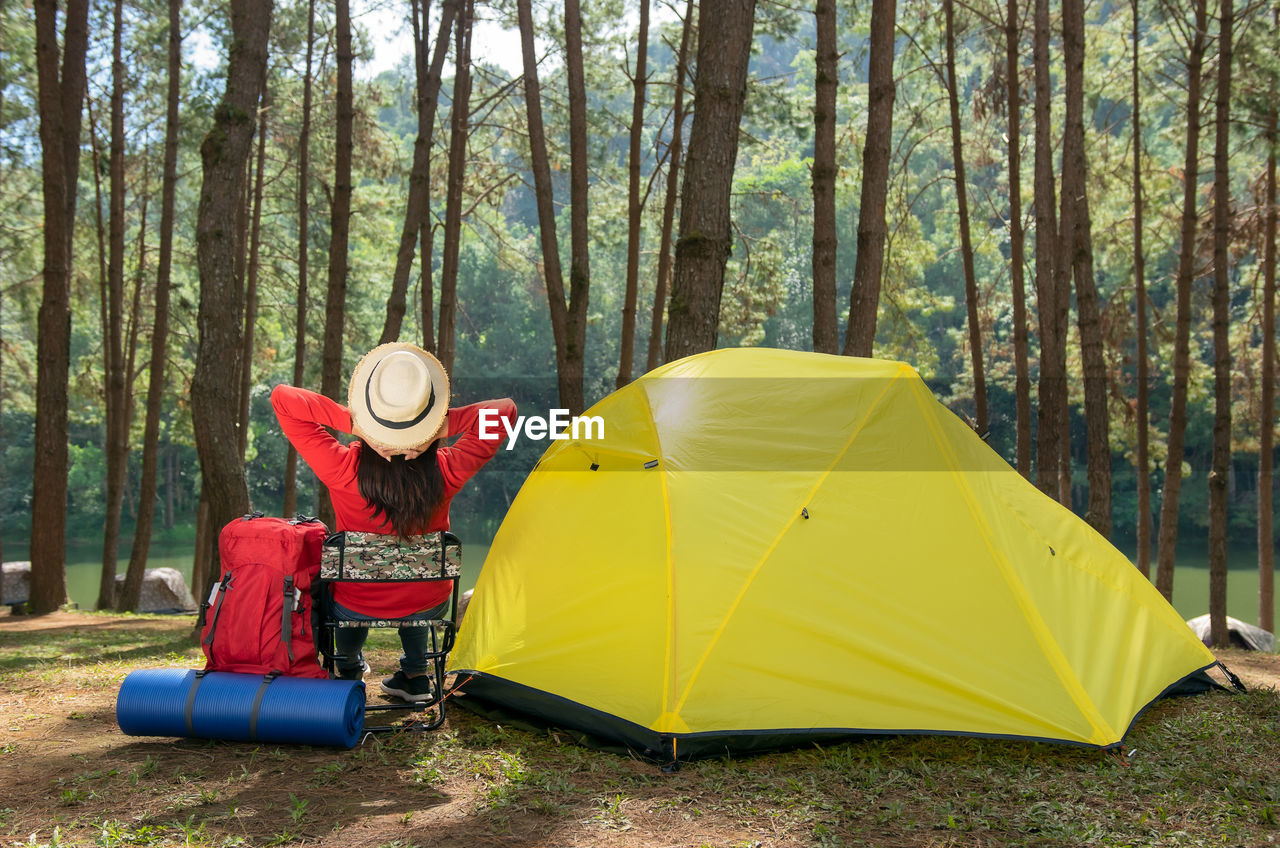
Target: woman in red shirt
[[398, 477]]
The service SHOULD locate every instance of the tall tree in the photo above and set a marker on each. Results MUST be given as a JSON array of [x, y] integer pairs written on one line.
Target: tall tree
[[459, 133], [1167, 538], [826, 332], [251, 278], [117, 425], [1266, 438], [216, 383], [1017, 239], [671, 196], [869, 265], [702, 250], [1051, 391], [552, 272], [579, 237], [1221, 335], [971, 294], [128, 596], [418, 202], [340, 211], [635, 202], [61, 97], [290, 505], [1143, 425], [1078, 254]]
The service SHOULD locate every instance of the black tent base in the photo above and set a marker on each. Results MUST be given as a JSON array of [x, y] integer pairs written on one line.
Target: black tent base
[[515, 705]]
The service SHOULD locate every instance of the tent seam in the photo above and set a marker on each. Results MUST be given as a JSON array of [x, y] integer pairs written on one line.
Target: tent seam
[[1057, 660], [774, 544]]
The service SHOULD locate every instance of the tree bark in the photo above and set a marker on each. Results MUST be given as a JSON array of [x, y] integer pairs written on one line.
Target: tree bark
[[1052, 392], [1017, 244], [1219, 635], [459, 133], [290, 505], [1143, 425], [705, 242], [128, 599], [1167, 538], [669, 199], [826, 331], [215, 386], [1080, 241], [635, 203], [116, 440], [552, 273], [868, 269], [418, 204], [579, 237], [331, 371], [331, 382], [971, 295], [60, 98], [251, 280], [1266, 438]]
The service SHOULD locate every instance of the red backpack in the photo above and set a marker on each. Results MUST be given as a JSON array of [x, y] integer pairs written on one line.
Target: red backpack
[[257, 619]]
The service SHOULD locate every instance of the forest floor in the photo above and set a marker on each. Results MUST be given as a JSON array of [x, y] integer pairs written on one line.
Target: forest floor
[[1205, 770]]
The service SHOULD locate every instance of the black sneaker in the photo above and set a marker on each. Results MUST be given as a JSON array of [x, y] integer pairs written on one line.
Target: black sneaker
[[409, 688], [354, 673]]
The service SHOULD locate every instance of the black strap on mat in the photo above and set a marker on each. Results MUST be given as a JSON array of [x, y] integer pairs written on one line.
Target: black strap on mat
[[190, 707], [257, 703]]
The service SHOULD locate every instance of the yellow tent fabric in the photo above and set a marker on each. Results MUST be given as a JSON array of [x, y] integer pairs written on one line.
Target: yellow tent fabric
[[769, 547]]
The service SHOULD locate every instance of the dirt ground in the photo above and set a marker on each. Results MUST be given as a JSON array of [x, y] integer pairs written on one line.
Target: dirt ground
[[66, 764]]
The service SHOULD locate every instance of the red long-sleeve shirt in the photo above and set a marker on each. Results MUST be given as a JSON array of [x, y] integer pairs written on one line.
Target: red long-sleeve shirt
[[303, 417]]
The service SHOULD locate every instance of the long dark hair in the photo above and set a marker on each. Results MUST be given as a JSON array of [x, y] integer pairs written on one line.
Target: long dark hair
[[405, 492]]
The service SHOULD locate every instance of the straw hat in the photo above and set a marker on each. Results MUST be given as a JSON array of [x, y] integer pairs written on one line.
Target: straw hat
[[398, 396]]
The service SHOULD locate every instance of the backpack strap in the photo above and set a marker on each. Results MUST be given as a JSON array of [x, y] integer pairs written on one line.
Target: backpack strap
[[286, 608], [223, 585]]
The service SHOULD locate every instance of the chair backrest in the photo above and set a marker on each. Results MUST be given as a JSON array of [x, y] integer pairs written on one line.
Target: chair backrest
[[372, 557]]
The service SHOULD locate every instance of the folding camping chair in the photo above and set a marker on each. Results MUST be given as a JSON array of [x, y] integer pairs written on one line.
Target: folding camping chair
[[351, 557]]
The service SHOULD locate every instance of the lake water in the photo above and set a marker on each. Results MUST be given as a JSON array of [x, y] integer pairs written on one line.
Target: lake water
[[1190, 586]]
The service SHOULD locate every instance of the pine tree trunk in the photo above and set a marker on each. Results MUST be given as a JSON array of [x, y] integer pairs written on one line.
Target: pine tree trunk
[[579, 237], [215, 386], [971, 295], [669, 199], [290, 505], [1017, 244], [635, 203], [418, 204], [331, 376], [1168, 530], [539, 164], [826, 331], [147, 486], [702, 250], [60, 99], [117, 446], [869, 265], [251, 281], [1221, 337], [459, 134], [1266, 438], [1052, 393], [1080, 243], [1142, 450]]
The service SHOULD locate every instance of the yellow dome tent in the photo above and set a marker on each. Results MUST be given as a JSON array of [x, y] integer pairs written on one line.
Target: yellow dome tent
[[771, 547]]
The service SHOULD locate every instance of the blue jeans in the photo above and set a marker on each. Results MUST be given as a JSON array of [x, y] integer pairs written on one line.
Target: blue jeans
[[415, 641]]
